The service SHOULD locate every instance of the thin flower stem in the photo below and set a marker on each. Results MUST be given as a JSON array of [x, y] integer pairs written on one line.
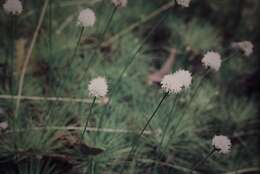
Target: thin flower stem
[[148, 17], [169, 120], [190, 101], [88, 117], [90, 62], [50, 29], [109, 21], [102, 35], [132, 59], [155, 111], [134, 146], [70, 63], [203, 160], [50, 109], [77, 44], [13, 21], [193, 96], [100, 6]]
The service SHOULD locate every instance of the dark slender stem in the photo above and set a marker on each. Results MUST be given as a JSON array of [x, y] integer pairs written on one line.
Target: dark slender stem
[[89, 62], [100, 7], [190, 101], [50, 109], [109, 21], [13, 19], [78, 43], [103, 33], [50, 28], [203, 160], [88, 117], [153, 114], [132, 59], [193, 96], [169, 120], [134, 146]]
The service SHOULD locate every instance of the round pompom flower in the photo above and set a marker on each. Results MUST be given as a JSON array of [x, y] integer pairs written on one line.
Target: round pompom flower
[[212, 60], [14, 7], [119, 3], [184, 3], [221, 143], [174, 83], [246, 46], [98, 87], [87, 18]]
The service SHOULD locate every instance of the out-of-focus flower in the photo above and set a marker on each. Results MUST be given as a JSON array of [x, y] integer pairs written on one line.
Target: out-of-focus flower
[[14, 7], [87, 18], [212, 60], [184, 3], [174, 83], [119, 3], [221, 143], [3, 125], [98, 87], [246, 46]]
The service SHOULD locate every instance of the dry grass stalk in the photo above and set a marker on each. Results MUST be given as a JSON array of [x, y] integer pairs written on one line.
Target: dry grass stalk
[[36, 98], [28, 55], [20, 47], [136, 24], [92, 129]]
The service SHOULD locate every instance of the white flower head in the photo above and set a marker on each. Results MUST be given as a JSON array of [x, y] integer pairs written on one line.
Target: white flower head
[[14, 7], [87, 18], [212, 60], [98, 87], [175, 83], [183, 3], [246, 46], [221, 143], [120, 3]]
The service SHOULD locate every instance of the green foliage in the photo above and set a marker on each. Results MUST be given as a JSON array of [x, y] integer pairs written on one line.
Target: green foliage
[[182, 129]]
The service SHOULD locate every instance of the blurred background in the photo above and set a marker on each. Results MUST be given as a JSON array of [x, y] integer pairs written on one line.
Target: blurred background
[[143, 40]]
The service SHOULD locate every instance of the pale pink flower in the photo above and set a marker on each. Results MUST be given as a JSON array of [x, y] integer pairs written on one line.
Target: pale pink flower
[[98, 87], [174, 83], [3, 125], [14, 7], [184, 3], [221, 143], [86, 18], [212, 60], [246, 46], [119, 3]]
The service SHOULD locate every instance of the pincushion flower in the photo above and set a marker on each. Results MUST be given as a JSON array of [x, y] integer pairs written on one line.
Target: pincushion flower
[[246, 46], [222, 144], [119, 3], [87, 18], [174, 83], [184, 3], [212, 60], [14, 7], [98, 87]]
